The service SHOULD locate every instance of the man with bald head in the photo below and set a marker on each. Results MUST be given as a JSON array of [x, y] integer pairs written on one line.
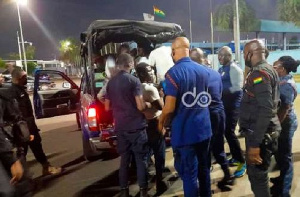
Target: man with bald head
[[232, 79], [187, 103], [197, 55], [258, 116]]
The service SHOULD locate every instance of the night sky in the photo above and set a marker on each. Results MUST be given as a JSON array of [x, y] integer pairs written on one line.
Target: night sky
[[45, 22]]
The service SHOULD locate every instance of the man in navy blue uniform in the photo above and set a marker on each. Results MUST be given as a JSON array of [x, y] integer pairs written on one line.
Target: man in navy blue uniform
[[232, 79], [125, 98], [217, 117], [187, 102]]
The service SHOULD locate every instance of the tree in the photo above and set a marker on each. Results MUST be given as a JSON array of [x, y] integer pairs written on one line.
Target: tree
[[289, 10], [223, 17], [14, 56], [69, 50], [31, 67], [2, 63], [30, 54]]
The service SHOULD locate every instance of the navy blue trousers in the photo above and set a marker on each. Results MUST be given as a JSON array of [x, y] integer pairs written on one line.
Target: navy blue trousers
[[232, 107], [284, 155], [217, 119], [193, 163]]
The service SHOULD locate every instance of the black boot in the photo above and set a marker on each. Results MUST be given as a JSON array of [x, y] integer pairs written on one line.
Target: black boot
[[161, 187], [124, 192], [276, 180], [276, 190], [144, 192], [228, 178]]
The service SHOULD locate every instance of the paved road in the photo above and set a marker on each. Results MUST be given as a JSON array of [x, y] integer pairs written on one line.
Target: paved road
[[62, 143]]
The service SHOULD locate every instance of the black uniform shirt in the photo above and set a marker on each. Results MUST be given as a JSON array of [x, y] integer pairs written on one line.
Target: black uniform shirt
[[19, 93], [260, 103]]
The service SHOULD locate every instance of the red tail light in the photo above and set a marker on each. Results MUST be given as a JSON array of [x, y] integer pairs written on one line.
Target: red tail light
[[92, 118], [92, 112]]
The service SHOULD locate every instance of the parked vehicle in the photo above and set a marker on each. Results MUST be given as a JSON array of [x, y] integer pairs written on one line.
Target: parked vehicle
[[44, 82], [100, 40]]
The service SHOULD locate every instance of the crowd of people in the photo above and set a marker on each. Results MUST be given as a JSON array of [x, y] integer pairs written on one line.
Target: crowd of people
[[201, 106], [174, 90]]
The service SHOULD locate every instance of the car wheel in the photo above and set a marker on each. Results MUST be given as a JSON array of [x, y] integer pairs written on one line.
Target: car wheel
[[89, 150]]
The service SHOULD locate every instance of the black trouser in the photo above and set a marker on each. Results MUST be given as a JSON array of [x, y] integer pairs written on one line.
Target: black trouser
[[232, 107], [6, 189], [217, 142], [258, 174], [158, 146], [37, 149], [135, 142]]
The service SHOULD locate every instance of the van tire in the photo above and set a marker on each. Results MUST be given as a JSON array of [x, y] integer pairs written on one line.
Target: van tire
[[89, 151]]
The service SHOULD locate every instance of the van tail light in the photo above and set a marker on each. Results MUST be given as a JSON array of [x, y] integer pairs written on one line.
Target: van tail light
[[92, 118]]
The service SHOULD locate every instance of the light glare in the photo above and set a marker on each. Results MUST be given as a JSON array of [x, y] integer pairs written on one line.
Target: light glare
[[22, 2]]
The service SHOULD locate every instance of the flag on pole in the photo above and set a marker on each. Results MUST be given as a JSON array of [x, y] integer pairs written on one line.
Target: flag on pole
[[158, 12], [148, 17]]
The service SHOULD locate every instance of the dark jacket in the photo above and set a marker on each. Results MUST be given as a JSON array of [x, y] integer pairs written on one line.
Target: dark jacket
[[7, 113], [258, 112], [19, 93]]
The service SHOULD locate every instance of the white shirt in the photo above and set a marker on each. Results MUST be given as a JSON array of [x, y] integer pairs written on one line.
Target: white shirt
[[150, 94], [161, 59]]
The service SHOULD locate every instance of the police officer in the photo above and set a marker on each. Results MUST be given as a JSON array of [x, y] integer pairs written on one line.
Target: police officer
[[187, 104], [232, 78], [258, 116], [8, 161], [9, 164], [217, 118], [18, 91], [288, 119]]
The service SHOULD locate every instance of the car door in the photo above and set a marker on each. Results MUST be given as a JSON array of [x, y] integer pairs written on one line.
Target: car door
[[54, 94]]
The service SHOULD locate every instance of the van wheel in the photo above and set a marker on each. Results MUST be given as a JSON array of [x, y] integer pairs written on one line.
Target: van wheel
[[89, 151], [113, 143]]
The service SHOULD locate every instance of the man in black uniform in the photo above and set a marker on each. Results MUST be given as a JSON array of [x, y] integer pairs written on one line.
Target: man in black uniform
[[9, 164], [8, 161], [258, 116], [18, 91]]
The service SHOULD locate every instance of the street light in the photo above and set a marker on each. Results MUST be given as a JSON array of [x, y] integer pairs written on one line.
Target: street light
[[212, 33], [24, 3], [237, 33], [190, 16], [19, 47], [66, 46]]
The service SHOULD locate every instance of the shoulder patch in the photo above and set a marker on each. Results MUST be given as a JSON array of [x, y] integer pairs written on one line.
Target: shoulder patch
[[258, 77], [257, 80]]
